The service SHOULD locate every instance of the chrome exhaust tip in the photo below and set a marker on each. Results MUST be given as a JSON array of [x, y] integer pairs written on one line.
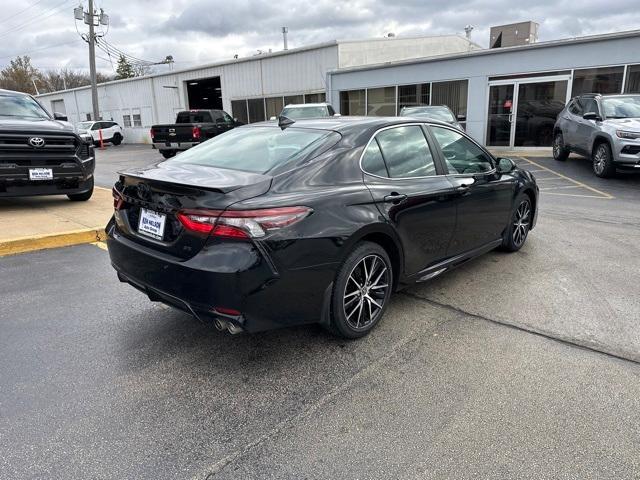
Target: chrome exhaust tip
[[220, 324], [233, 328]]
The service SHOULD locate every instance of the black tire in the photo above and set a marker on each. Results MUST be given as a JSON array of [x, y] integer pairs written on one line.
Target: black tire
[[519, 225], [560, 151], [82, 197], [355, 293], [117, 139], [602, 161], [167, 153]]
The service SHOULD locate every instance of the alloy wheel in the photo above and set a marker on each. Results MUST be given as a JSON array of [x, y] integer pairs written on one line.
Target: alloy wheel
[[556, 146], [521, 223], [600, 160], [365, 292]]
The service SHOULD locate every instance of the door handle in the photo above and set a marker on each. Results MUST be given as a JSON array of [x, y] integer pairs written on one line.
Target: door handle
[[395, 198], [463, 188]]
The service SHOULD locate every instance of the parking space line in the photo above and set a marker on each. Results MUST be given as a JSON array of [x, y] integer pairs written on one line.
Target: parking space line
[[560, 186], [602, 194]]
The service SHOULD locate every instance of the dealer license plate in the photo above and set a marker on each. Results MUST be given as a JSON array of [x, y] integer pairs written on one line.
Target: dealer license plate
[[40, 174]]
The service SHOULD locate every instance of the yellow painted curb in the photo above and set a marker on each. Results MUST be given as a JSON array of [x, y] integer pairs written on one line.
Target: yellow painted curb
[[40, 242]]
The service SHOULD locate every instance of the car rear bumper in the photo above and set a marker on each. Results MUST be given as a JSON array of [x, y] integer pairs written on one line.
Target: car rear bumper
[[237, 275], [177, 146]]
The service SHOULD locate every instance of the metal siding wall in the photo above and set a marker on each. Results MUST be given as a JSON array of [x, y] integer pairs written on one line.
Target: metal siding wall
[[478, 68]]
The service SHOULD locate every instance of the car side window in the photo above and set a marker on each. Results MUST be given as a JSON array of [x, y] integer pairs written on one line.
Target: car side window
[[96, 126], [372, 161], [590, 105], [574, 107], [332, 112], [227, 118], [460, 154], [406, 152]]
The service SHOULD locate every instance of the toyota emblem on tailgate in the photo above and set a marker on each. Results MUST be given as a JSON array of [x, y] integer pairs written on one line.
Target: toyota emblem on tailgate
[[36, 142]]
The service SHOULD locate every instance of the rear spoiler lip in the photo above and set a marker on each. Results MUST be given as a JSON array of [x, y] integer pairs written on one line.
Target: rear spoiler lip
[[211, 188]]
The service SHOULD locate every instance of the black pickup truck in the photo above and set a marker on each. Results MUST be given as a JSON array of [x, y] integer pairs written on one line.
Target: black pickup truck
[[191, 128], [41, 154]]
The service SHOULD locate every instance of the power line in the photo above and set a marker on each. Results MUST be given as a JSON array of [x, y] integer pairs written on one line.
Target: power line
[[110, 49], [37, 18], [21, 11], [39, 49]]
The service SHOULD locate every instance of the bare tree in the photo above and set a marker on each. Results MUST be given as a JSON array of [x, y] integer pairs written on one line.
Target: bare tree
[[19, 75]]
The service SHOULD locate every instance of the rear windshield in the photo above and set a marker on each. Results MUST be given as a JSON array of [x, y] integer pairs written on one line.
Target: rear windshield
[[194, 117], [296, 113], [257, 149]]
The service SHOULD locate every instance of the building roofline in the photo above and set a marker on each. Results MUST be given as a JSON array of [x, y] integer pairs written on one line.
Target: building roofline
[[493, 51], [253, 58]]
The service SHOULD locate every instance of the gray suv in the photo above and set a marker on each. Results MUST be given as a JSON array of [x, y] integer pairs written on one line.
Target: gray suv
[[605, 128]]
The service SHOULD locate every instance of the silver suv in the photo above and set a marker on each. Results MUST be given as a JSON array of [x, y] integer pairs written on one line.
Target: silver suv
[[605, 128]]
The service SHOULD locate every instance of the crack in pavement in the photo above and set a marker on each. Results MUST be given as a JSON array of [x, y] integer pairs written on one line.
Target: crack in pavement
[[572, 342], [305, 413]]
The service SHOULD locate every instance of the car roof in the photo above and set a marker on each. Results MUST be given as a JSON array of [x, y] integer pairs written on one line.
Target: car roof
[[305, 105], [13, 92], [347, 123]]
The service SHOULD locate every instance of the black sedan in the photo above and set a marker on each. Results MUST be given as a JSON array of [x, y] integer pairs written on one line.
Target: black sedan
[[316, 221]]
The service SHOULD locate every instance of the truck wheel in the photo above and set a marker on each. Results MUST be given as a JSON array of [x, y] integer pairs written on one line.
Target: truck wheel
[[82, 197], [603, 165], [167, 153], [560, 151], [117, 139]]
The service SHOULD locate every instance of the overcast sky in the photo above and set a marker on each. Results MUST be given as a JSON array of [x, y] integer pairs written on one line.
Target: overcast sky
[[201, 31]]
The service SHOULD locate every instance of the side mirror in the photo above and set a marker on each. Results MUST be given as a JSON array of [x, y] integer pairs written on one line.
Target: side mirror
[[505, 165], [592, 116], [60, 116]]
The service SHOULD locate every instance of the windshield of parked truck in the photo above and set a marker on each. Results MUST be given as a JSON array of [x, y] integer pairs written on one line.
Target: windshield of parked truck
[[21, 106], [627, 106]]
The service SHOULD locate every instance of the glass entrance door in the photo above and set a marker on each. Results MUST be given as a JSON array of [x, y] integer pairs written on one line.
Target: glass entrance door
[[538, 106], [500, 115], [522, 112]]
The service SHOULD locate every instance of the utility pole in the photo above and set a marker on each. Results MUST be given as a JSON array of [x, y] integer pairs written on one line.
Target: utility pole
[[92, 64], [93, 19]]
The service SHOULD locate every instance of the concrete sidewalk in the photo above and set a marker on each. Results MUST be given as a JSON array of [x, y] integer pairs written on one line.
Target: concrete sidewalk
[[34, 223]]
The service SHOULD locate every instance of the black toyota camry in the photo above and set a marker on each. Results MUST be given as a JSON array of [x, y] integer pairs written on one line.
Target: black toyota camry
[[317, 221]]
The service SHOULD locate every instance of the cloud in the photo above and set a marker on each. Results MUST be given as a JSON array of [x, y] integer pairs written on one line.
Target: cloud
[[200, 31]]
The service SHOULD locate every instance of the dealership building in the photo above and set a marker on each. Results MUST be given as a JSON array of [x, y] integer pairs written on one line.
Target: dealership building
[[505, 96]]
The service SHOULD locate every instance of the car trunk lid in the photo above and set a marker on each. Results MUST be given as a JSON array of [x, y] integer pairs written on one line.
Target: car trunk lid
[[160, 192]]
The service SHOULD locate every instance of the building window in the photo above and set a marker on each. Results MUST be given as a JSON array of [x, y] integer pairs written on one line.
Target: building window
[[126, 120], [413, 95], [381, 102], [315, 98], [352, 102], [293, 100], [239, 110], [89, 116], [256, 110], [632, 84], [597, 80], [274, 106], [453, 95], [137, 120]]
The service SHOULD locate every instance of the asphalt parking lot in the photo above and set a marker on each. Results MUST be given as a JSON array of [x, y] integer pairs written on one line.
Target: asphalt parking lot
[[513, 366]]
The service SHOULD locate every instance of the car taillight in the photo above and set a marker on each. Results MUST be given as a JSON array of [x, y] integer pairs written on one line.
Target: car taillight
[[118, 201], [242, 223], [152, 133], [195, 133]]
